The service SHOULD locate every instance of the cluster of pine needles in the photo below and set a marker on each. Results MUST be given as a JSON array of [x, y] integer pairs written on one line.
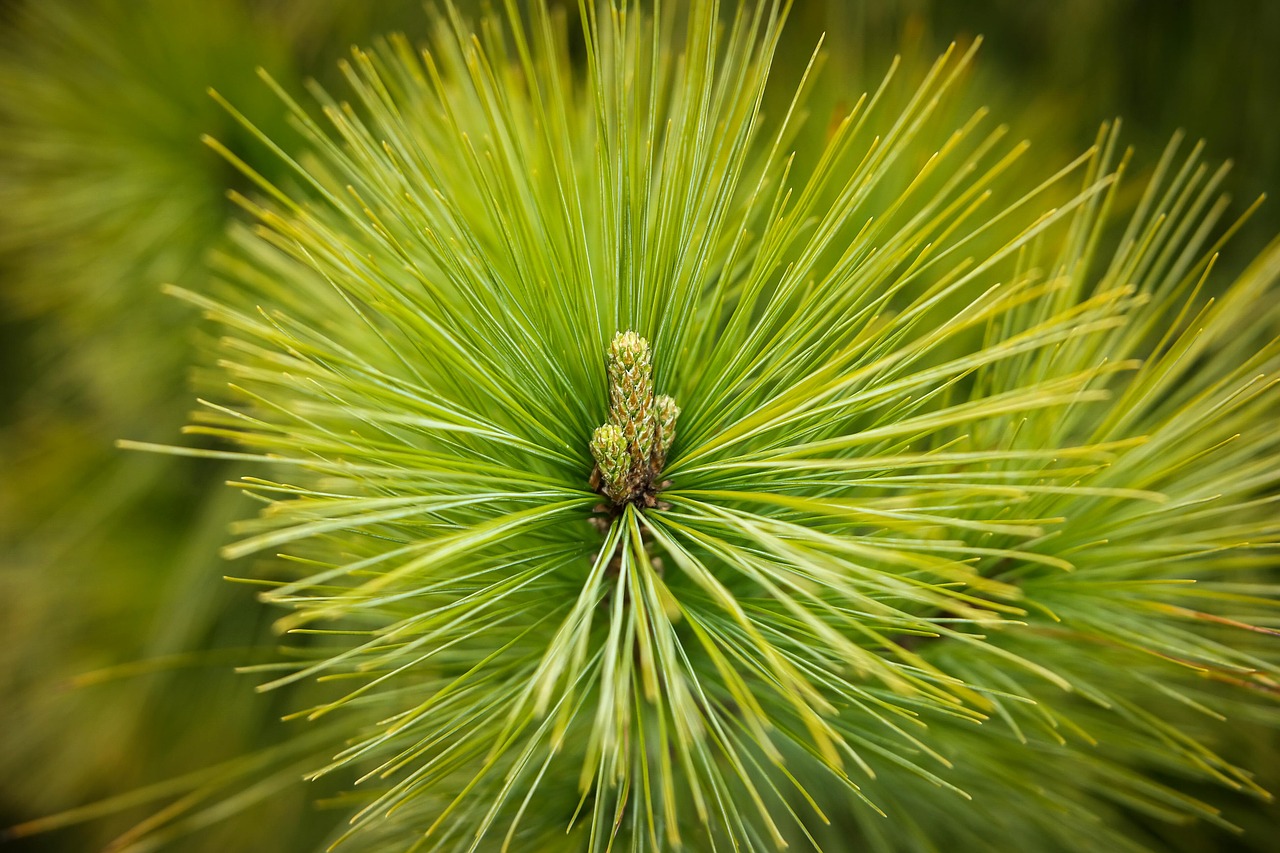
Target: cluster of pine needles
[[952, 527]]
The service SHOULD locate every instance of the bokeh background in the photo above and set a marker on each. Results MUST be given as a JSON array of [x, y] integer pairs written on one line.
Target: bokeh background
[[118, 634]]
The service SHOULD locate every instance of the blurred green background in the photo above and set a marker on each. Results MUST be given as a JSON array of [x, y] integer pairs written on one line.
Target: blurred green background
[[117, 632]]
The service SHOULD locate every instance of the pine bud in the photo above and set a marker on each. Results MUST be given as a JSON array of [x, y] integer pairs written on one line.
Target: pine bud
[[609, 448], [631, 448], [665, 413], [631, 393]]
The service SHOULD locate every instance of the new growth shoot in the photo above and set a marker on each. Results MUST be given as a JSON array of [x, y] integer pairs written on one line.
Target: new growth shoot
[[631, 448]]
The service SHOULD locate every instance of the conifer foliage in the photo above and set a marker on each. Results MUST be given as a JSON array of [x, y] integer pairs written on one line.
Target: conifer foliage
[[967, 529]]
